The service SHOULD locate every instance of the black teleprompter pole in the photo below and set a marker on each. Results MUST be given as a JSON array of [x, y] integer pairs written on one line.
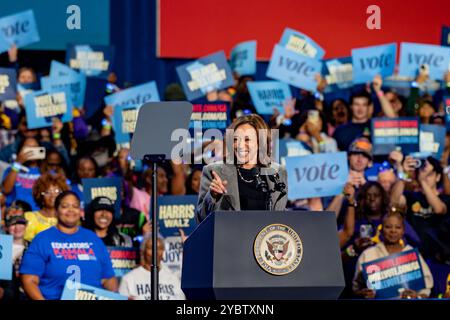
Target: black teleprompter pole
[[154, 160]]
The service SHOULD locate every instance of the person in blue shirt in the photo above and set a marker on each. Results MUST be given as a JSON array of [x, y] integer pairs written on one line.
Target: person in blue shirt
[[65, 252]]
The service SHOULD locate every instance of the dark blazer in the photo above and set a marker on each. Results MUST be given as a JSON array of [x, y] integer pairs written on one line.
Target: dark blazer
[[230, 201]]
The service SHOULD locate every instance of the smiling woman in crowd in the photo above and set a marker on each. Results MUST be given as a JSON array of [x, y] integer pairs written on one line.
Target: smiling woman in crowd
[[100, 219], [65, 252], [393, 230]]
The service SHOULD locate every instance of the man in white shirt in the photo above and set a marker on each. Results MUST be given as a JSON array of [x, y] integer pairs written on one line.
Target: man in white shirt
[[137, 283]]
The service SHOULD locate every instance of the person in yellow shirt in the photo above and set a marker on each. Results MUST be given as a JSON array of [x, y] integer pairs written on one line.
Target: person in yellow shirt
[[45, 191]]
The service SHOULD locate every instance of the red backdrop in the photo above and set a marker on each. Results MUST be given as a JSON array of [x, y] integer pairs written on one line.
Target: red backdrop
[[194, 28]]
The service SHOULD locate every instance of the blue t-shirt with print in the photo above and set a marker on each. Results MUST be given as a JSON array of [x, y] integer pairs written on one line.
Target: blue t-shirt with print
[[55, 256], [23, 187]]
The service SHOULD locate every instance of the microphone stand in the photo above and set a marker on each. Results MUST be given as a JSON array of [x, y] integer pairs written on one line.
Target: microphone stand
[[263, 187]]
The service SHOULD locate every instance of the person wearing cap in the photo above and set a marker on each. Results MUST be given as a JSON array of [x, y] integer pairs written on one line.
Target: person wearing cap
[[359, 159], [15, 226], [99, 217], [17, 208], [65, 252]]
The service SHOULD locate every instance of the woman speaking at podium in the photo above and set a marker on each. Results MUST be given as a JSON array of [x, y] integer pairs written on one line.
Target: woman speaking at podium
[[247, 181]]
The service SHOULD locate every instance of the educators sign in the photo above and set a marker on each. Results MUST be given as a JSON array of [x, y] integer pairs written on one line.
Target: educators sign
[[19, 29], [6, 248], [316, 175], [175, 213], [294, 69], [243, 58], [371, 61], [106, 187], [42, 106], [91, 60], [387, 275], [267, 95], [389, 133], [205, 75], [78, 291], [123, 259]]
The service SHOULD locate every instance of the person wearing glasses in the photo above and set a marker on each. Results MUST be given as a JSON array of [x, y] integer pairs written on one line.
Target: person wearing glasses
[[45, 190]]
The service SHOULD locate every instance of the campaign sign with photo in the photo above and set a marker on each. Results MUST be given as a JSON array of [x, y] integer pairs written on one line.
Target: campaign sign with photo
[[316, 175], [6, 262], [123, 259], [19, 29], [124, 122], [134, 96], [103, 187], [301, 44], [78, 291], [74, 83], [267, 95], [371, 61], [8, 86], [205, 75], [414, 55], [432, 139], [390, 133], [338, 73], [398, 271], [294, 69], [92, 60], [243, 58], [211, 115], [175, 213], [42, 106]]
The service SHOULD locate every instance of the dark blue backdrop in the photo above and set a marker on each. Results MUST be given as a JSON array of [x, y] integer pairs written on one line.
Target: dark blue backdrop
[[133, 33]]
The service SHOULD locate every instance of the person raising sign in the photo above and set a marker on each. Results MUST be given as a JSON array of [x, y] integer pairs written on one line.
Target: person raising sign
[[241, 183], [393, 230]]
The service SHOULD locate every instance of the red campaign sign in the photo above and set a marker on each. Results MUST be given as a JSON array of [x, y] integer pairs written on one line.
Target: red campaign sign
[[389, 263], [192, 29], [396, 124], [123, 259]]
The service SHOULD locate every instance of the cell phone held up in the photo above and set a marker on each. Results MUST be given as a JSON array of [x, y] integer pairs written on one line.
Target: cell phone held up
[[313, 116], [37, 153]]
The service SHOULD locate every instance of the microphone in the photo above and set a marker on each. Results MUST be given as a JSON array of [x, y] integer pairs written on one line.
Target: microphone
[[261, 185], [279, 185]]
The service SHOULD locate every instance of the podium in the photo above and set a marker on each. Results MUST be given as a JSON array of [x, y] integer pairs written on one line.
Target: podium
[[230, 254]]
